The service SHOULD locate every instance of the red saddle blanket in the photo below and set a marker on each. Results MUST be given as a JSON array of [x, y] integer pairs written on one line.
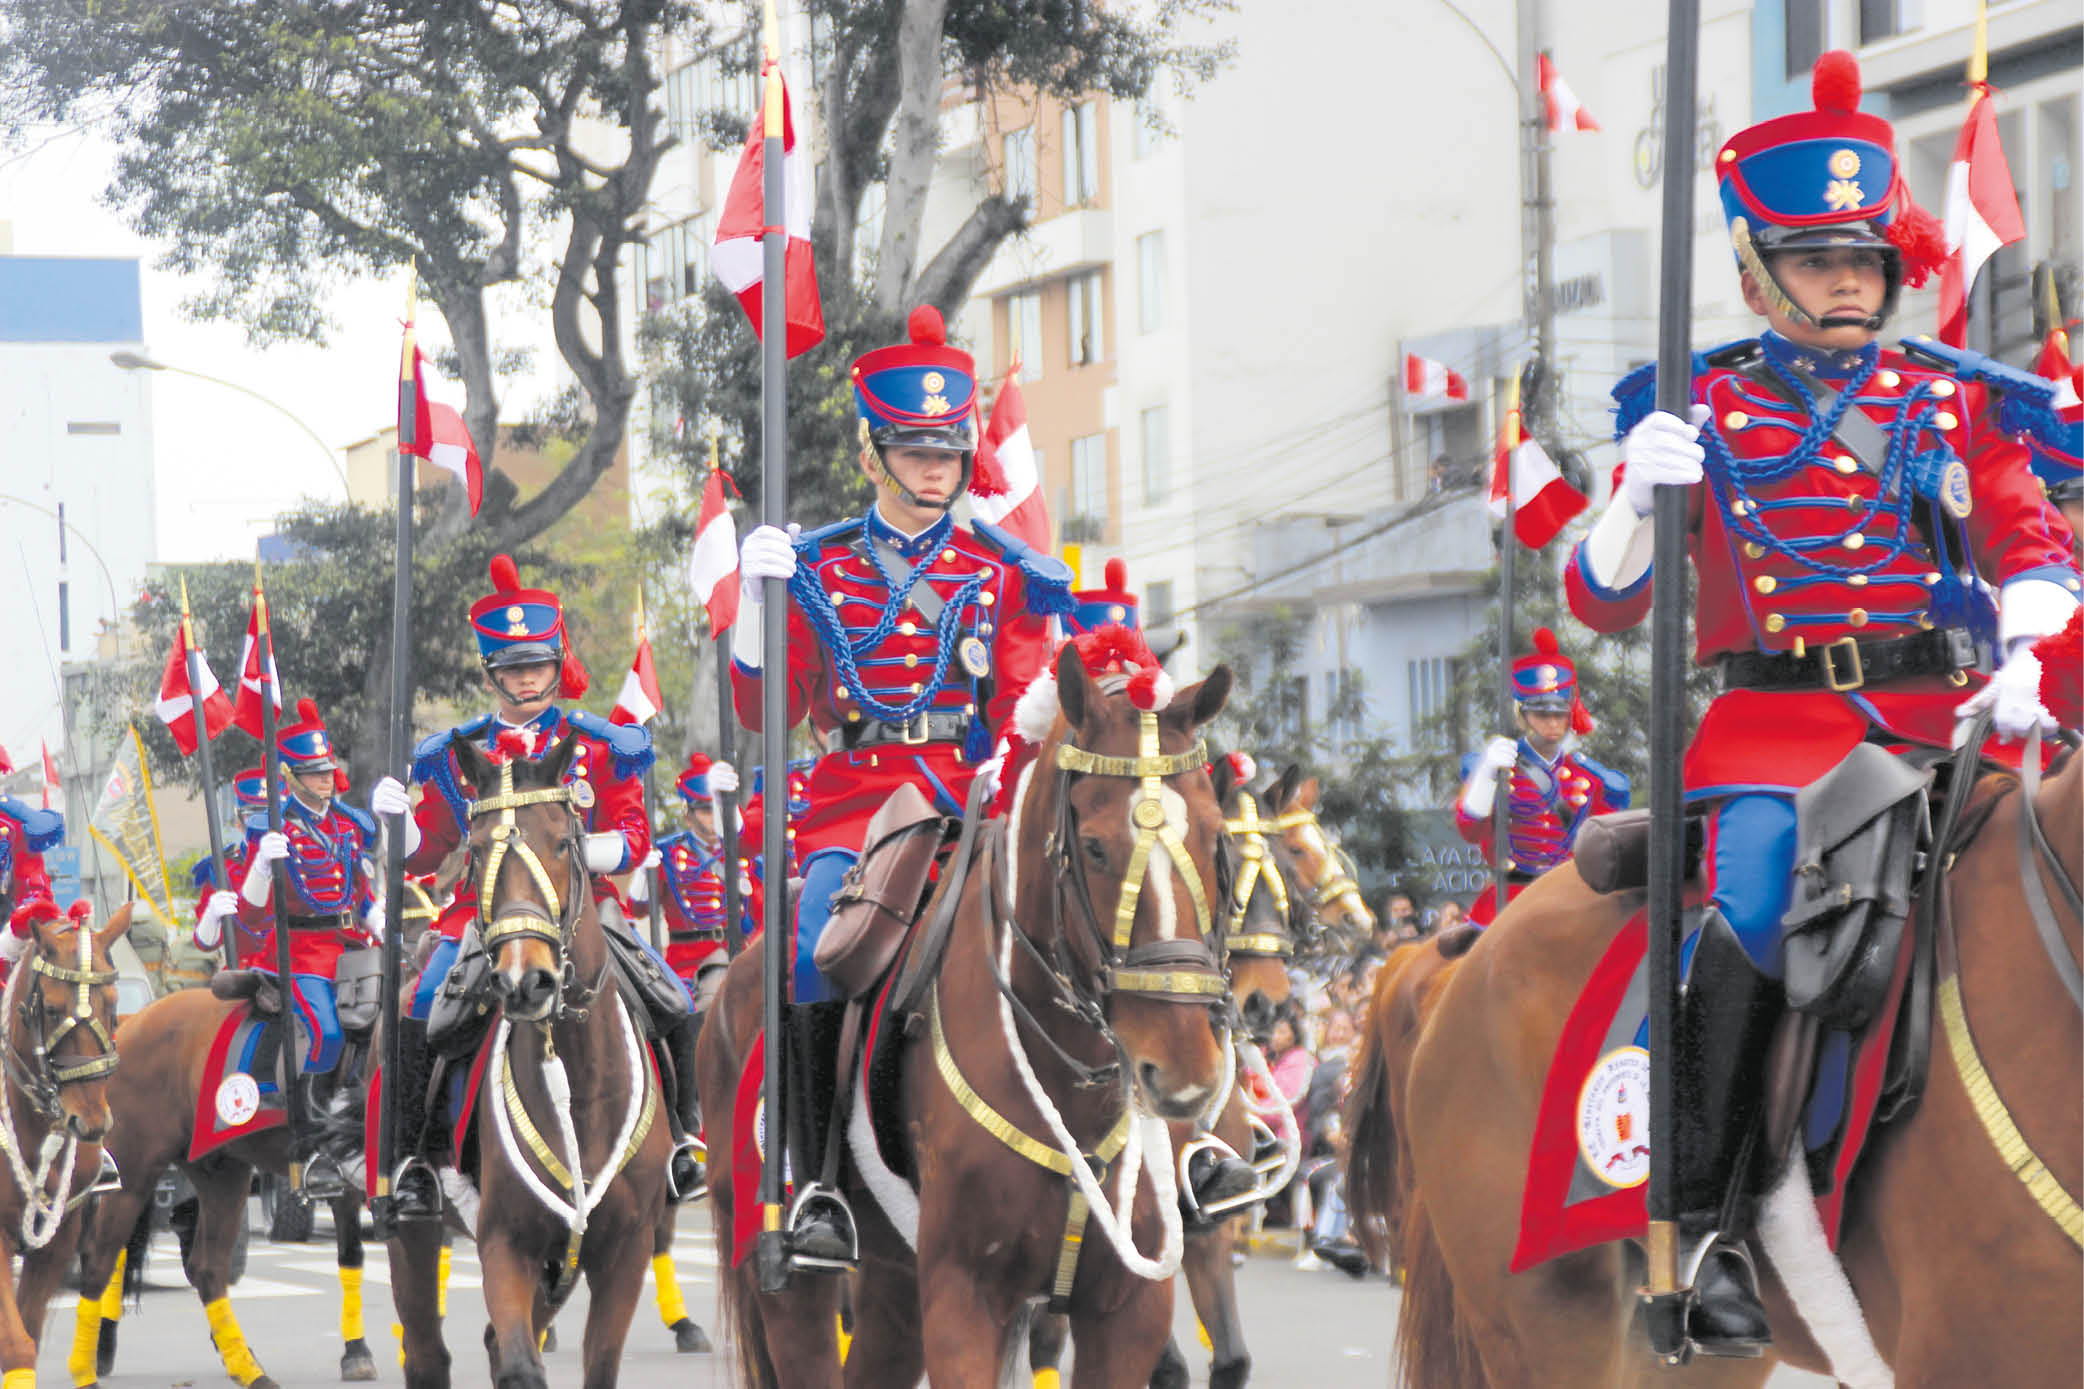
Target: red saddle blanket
[[238, 1095], [460, 1102], [1590, 1157]]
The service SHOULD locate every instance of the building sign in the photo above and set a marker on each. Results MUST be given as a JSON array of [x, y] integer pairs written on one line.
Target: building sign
[[1649, 140]]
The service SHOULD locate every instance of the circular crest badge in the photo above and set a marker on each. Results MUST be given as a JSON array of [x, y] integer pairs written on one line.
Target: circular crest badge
[[238, 1099], [1953, 489], [975, 656], [1613, 1118], [582, 794]]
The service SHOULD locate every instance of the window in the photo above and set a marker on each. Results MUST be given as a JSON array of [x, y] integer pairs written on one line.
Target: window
[[1018, 149], [1885, 19], [1150, 282], [693, 258], [1085, 311], [1024, 333], [1089, 484], [1081, 154], [93, 427], [1805, 37], [1157, 604], [1431, 680], [683, 97], [1156, 430]]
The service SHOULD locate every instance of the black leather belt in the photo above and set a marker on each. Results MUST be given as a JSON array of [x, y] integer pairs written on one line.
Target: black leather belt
[[927, 726], [1849, 664], [320, 923]]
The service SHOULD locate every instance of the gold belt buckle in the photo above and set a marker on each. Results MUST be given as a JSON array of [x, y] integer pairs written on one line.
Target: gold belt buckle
[[1827, 658], [916, 730]]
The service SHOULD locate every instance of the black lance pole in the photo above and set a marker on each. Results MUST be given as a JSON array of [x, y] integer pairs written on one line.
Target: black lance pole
[[771, 1249], [1666, 1298], [651, 875], [209, 775], [397, 759], [1508, 709], [271, 774], [726, 802]]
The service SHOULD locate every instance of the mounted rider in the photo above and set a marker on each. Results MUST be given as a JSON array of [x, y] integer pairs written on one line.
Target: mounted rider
[[529, 664], [691, 878], [1555, 788], [26, 834], [1837, 494], [213, 904]]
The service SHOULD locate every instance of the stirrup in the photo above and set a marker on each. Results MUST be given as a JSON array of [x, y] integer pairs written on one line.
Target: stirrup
[[409, 1167], [698, 1152], [109, 1178], [1268, 1154], [812, 1199], [1218, 1150], [321, 1179]]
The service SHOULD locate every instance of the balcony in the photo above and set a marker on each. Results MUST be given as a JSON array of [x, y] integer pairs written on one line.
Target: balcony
[[1080, 239]]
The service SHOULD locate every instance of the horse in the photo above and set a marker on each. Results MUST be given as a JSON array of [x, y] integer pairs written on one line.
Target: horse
[[154, 1096], [1930, 1197], [1331, 887], [1087, 914], [571, 1137], [57, 1010]]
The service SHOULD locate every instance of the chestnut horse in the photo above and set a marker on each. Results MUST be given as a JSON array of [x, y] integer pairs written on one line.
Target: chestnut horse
[[572, 1143], [1981, 1175], [56, 1012], [1088, 914]]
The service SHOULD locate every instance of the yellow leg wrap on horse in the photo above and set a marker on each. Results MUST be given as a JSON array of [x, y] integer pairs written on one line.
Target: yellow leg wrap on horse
[[230, 1341], [112, 1295], [1201, 1334], [350, 1304], [672, 1307], [1048, 1378], [398, 1335], [86, 1341], [845, 1341], [441, 1281], [18, 1379]]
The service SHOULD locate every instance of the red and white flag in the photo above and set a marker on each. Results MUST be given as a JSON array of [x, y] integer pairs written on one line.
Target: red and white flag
[[1005, 484], [736, 253], [640, 699], [258, 678], [1431, 380], [53, 786], [712, 567], [452, 449], [1561, 104], [1982, 214], [1543, 502], [176, 703]]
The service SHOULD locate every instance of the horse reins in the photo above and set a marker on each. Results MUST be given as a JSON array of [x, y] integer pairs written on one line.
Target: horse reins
[[42, 1214]]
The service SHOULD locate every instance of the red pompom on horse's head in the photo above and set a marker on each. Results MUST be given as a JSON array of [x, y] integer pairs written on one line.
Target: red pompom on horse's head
[[2062, 672], [512, 745]]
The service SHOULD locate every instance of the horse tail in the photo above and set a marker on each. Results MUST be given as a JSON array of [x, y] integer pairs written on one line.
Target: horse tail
[[1434, 1346], [134, 1250], [1013, 1353], [1372, 1195]]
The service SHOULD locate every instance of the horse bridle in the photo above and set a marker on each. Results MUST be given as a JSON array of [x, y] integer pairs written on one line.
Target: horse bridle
[[1336, 882], [42, 1082], [520, 917], [1252, 835]]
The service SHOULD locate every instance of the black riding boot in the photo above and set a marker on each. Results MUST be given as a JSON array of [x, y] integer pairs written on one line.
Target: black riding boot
[[685, 1176], [821, 1226], [1726, 1019], [415, 1189], [319, 1176], [1215, 1182]]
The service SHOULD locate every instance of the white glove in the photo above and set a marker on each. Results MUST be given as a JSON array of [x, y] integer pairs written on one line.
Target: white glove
[[272, 846], [768, 552], [209, 931], [373, 920], [260, 875], [1481, 793], [1500, 753], [388, 797], [607, 853], [723, 777], [1662, 451], [2014, 692], [651, 861]]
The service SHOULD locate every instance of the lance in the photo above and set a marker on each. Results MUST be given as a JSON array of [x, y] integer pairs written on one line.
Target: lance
[[1666, 1298], [271, 774], [771, 1249], [202, 755], [1508, 710], [726, 802], [397, 759], [651, 875]]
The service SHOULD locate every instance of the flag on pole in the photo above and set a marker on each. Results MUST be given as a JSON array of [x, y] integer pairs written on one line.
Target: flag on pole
[[452, 448], [126, 823], [53, 785], [1982, 214], [1431, 380], [736, 253], [412, 396], [258, 678], [176, 703], [1542, 502], [1005, 484], [712, 567], [640, 699], [1564, 111]]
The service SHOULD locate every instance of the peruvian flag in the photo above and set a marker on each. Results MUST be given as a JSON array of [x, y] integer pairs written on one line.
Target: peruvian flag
[[712, 568], [736, 253], [176, 703], [53, 787], [1431, 380], [258, 678], [1543, 502], [640, 699], [1559, 102], [1005, 485], [1982, 214], [452, 449]]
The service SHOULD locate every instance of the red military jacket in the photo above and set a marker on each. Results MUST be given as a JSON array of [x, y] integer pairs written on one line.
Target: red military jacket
[[610, 759], [328, 879], [857, 643], [25, 832], [1548, 804], [692, 882], [1796, 546]]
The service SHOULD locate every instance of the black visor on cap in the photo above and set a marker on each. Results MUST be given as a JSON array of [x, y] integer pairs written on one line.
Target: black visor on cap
[[1771, 238], [523, 654]]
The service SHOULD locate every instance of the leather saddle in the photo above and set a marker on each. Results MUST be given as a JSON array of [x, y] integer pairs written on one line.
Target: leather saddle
[[257, 990]]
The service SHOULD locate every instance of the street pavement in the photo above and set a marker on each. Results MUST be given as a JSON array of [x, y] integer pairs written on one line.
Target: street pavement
[[1307, 1328]]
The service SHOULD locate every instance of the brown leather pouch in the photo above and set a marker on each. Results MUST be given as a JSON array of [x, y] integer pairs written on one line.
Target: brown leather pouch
[[880, 896], [1612, 852], [250, 984]]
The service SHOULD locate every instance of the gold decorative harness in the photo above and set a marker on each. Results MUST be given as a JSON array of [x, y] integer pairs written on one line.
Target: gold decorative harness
[[42, 1084], [1250, 834], [1336, 882], [524, 918]]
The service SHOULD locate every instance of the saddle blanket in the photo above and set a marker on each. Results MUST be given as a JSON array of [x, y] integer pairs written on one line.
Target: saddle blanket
[[749, 1151], [238, 1096], [1590, 1159], [459, 1101]]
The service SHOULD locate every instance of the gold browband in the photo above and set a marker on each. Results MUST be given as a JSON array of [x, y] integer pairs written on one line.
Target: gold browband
[[1151, 763], [1169, 981], [1250, 831], [507, 835]]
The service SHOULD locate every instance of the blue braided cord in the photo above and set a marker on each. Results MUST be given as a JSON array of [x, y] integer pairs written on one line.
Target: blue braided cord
[[1838, 619], [817, 609]]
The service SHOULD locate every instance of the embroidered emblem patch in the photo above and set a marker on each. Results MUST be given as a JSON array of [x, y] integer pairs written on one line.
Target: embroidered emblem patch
[[1613, 1118], [1953, 489], [976, 658], [238, 1099]]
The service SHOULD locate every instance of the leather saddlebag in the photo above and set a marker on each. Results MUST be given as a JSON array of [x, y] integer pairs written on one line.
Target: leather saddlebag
[[464, 1003], [654, 993], [358, 977], [879, 898]]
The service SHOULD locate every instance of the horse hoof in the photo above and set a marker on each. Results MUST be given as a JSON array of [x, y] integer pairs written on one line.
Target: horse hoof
[[263, 1382], [689, 1339], [1232, 1375], [105, 1352], [357, 1364]]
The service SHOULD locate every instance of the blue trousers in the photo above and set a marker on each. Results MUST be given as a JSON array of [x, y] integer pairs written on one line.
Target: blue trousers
[[1753, 872], [822, 875], [318, 1022]]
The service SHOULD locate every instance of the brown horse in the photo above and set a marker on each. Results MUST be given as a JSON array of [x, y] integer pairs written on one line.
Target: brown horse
[[1327, 871], [1088, 912], [1931, 1197], [572, 1144], [164, 1049], [56, 1012]]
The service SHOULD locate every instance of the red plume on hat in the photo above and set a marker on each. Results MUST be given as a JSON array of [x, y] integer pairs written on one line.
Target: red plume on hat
[[2062, 671]]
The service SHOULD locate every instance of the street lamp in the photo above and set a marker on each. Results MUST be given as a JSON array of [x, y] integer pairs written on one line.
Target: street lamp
[[131, 361], [115, 609]]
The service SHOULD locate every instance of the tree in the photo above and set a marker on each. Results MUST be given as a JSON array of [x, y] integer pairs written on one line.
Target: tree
[[881, 70]]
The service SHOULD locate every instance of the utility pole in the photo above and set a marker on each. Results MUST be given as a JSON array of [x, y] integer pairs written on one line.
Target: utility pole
[[1537, 228]]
